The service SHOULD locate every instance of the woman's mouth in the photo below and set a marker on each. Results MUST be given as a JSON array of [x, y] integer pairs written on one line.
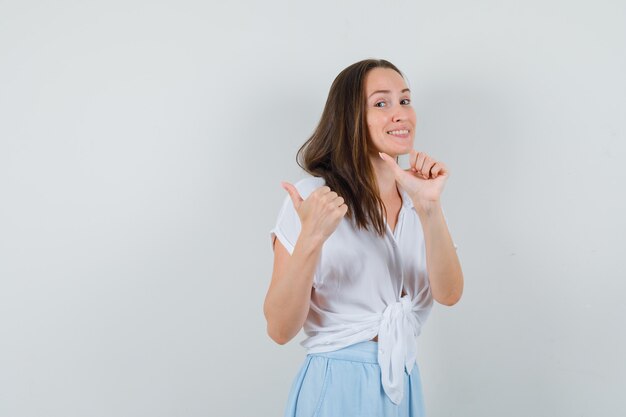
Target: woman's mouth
[[403, 133]]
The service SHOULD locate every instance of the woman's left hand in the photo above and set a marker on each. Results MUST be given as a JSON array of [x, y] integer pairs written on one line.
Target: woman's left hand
[[424, 180]]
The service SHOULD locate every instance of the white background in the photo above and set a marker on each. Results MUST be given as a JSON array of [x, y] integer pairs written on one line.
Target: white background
[[141, 148]]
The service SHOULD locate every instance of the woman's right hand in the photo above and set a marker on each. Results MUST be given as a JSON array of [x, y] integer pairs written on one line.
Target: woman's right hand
[[321, 212]]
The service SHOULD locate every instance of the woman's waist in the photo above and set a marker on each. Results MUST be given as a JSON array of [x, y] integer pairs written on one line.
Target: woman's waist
[[366, 351]]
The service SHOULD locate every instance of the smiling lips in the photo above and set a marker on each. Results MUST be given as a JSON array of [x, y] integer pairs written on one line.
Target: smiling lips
[[403, 133]]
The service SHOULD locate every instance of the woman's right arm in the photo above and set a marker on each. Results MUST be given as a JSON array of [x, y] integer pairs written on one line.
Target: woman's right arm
[[287, 302], [288, 298]]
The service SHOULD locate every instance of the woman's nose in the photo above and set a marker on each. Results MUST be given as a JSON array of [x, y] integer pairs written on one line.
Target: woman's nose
[[402, 113]]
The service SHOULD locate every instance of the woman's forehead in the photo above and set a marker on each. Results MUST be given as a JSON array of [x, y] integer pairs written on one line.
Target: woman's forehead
[[383, 79]]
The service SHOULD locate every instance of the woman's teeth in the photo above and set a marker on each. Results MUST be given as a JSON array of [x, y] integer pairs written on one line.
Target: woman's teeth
[[398, 132]]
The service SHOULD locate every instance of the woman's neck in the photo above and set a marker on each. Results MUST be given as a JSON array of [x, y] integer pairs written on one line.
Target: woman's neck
[[385, 179]]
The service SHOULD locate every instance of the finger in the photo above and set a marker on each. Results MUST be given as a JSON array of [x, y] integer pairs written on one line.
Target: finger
[[330, 196], [324, 189], [419, 162], [444, 169], [428, 166], [391, 163], [434, 171], [439, 169], [296, 198], [412, 159]]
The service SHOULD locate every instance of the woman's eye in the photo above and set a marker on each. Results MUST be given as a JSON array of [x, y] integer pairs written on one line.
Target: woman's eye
[[377, 104], [408, 100]]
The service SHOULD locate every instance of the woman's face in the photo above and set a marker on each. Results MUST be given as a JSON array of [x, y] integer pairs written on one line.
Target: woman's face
[[389, 114]]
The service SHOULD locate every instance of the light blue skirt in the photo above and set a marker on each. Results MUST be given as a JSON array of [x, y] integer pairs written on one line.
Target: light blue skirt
[[346, 382]]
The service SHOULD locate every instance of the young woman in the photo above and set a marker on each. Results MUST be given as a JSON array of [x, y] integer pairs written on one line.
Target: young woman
[[361, 250]]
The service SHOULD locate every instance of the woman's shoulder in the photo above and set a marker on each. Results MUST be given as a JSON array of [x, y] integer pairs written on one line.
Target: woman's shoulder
[[307, 185]]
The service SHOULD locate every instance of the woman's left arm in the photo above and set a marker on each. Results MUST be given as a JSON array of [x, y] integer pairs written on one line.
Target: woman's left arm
[[444, 269], [424, 182]]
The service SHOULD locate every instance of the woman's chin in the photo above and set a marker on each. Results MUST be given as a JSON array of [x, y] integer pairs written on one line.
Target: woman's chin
[[399, 151], [395, 151]]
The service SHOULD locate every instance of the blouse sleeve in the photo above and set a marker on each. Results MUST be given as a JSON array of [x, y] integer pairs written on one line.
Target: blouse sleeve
[[287, 227]]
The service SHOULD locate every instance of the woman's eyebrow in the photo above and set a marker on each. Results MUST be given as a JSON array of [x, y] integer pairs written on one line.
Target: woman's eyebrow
[[388, 91]]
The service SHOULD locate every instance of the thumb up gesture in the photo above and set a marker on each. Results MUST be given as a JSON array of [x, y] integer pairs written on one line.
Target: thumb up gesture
[[424, 181], [320, 213]]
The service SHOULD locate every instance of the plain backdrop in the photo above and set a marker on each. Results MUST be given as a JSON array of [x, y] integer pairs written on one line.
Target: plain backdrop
[[142, 145]]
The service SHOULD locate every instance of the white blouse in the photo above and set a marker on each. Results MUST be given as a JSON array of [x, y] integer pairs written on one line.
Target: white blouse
[[358, 284]]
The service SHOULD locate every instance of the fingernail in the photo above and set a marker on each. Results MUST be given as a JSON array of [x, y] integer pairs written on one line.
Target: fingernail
[[381, 156]]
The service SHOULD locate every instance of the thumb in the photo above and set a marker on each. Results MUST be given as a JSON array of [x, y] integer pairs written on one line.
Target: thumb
[[412, 159], [391, 163], [293, 193]]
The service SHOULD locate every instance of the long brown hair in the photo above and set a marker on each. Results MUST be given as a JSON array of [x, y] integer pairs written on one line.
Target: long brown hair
[[338, 148]]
